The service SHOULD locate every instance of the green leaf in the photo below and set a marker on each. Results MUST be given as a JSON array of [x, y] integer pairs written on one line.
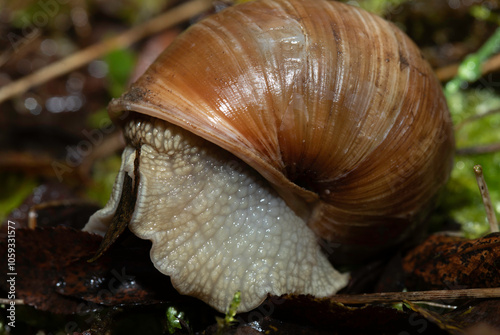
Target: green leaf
[[120, 66]]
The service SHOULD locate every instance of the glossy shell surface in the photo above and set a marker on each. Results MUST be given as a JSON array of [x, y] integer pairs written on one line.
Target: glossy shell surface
[[334, 106]]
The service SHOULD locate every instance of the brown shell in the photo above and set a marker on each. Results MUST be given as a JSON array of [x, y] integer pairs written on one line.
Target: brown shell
[[333, 105]]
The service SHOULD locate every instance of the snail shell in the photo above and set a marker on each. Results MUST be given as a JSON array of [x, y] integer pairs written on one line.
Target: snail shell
[[335, 109]]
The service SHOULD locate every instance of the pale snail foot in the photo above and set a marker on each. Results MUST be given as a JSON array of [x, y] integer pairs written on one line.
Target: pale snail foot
[[217, 227]]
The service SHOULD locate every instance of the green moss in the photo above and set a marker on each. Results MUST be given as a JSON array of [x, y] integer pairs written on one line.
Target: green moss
[[174, 317], [224, 323]]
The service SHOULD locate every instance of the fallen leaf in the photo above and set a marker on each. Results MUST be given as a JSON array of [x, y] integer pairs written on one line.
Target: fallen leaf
[[53, 273], [41, 257], [468, 318], [326, 313], [453, 262]]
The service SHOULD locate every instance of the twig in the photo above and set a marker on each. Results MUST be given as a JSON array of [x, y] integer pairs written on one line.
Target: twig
[[172, 17], [7, 301], [448, 72], [392, 297], [436, 304], [478, 150], [483, 188], [476, 117]]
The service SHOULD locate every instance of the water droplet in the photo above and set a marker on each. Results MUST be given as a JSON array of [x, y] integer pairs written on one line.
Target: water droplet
[[33, 106], [98, 69], [79, 17], [49, 47], [55, 104], [30, 103], [73, 103], [75, 83]]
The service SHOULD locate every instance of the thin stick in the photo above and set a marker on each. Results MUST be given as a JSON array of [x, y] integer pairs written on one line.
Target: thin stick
[[476, 117], [392, 297], [448, 72], [483, 188], [4, 301], [478, 150], [72, 62]]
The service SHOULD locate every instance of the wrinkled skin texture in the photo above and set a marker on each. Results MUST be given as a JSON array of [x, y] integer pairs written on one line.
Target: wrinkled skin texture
[[217, 227]]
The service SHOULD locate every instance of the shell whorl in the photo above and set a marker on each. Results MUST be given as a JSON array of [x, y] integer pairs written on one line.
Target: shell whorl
[[332, 105]]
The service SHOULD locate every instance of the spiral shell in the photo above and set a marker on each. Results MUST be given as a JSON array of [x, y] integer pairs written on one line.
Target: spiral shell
[[326, 101], [334, 106]]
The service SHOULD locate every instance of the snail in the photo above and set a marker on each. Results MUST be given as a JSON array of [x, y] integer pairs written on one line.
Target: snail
[[268, 128]]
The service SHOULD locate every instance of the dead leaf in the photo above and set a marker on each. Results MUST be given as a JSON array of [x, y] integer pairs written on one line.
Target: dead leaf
[[452, 262], [326, 313], [468, 318], [53, 273], [53, 193], [42, 256]]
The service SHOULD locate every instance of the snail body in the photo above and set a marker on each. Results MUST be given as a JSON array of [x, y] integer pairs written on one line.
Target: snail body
[[268, 126]]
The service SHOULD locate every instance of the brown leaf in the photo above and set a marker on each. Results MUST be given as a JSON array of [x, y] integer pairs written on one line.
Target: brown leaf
[[53, 273], [452, 262], [481, 329], [327, 314], [267, 325], [47, 196], [67, 213], [469, 318], [41, 256], [479, 314], [122, 276]]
